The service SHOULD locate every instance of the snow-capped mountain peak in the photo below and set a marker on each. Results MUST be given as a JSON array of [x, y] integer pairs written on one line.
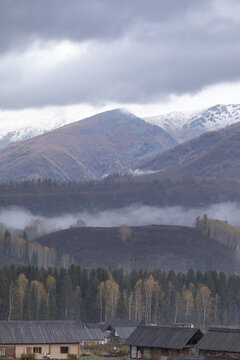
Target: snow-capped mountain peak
[[215, 117], [183, 126]]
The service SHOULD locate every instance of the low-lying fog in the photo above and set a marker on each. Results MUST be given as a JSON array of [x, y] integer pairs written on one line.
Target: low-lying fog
[[19, 218]]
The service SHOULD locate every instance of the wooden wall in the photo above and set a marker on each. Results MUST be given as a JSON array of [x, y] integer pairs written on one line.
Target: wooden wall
[[220, 353], [22, 349], [156, 353], [9, 351], [53, 349]]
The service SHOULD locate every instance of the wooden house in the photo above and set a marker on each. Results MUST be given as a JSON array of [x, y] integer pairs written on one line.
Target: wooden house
[[57, 338], [124, 328], [92, 337], [220, 342], [117, 330], [162, 342]]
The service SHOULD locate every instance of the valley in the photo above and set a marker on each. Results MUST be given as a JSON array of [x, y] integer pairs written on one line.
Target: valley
[[190, 177]]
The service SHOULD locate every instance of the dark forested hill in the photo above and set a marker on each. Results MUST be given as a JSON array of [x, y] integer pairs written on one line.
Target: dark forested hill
[[50, 198], [168, 247], [86, 149]]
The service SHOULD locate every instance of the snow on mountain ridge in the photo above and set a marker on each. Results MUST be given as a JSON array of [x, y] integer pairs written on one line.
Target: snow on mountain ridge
[[216, 117], [15, 131], [183, 126], [180, 125], [221, 115]]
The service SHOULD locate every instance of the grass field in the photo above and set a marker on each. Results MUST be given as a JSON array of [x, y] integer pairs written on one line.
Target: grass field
[[98, 357]]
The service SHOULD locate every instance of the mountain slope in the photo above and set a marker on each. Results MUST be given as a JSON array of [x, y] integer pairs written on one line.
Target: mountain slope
[[184, 126], [146, 247], [215, 154], [83, 150]]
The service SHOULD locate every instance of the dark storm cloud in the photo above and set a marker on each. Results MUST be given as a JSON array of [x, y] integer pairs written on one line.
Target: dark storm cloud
[[135, 51], [24, 21]]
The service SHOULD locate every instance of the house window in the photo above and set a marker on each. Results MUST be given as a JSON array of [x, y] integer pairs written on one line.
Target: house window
[[64, 350], [37, 350], [2, 351]]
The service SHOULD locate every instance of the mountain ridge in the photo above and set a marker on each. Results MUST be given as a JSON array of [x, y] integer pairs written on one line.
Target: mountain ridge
[[84, 150], [187, 125], [201, 156]]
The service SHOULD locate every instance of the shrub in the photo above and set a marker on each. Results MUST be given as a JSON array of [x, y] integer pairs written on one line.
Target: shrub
[[27, 357], [71, 357]]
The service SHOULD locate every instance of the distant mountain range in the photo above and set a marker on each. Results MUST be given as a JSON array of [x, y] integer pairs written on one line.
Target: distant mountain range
[[88, 149], [184, 126], [180, 125], [117, 141]]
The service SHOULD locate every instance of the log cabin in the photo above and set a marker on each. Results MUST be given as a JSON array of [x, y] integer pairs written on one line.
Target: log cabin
[[221, 342], [162, 342], [56, 338]]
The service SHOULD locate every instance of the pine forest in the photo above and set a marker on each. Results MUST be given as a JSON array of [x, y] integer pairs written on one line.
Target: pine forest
[[202, 298]]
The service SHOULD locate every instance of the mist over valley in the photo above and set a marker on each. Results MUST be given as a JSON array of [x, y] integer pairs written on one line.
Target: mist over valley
[[20, 219]]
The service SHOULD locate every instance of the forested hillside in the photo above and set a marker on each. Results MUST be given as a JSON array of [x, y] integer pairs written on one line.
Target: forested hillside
[[18, 249], [50, 198], [203, 298], [143, 247], [219, 230]]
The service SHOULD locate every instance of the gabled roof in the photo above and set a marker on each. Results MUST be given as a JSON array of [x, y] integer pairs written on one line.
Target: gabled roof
[[219, 339], [124, 332], [45, 332], [91, 334], [167, 337], [101, 326], [123, 327], [124, 323]]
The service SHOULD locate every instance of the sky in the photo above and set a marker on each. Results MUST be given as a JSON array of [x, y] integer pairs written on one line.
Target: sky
[[71, 59]]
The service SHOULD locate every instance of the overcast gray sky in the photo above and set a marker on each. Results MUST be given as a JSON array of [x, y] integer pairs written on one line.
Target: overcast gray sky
[[146, 55]]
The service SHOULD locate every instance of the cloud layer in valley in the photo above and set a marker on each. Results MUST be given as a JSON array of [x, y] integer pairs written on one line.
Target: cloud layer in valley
[[102, 51], [19, 218]]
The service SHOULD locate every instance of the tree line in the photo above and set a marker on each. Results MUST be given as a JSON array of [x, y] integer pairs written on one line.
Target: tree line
[[219, 230], [32, 252], [203, 298]]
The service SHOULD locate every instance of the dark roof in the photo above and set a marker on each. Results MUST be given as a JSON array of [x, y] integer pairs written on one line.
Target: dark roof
[[124, 323], [123, 328], [45, 332], [101, 326], [167, 337], [219, 339], [91, 334], [124, 332]]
